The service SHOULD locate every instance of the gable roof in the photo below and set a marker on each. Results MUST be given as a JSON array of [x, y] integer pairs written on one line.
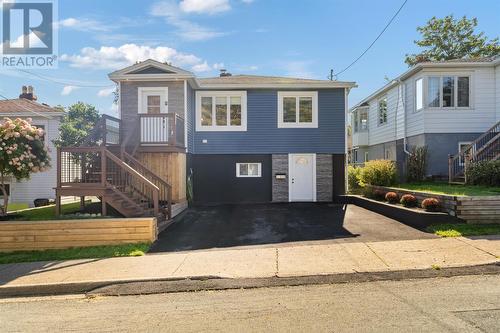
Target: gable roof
[[258, 81], [469, 62], [22, 106], [150, 69]]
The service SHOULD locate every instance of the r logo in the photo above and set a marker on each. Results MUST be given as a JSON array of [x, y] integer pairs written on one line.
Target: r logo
[[28, 28]]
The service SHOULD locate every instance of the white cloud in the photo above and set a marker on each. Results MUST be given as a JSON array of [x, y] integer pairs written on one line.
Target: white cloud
[[105, 92], [174, 16], [83, 24], [204, 6], [68, 90], [109, 57], [299, 69]]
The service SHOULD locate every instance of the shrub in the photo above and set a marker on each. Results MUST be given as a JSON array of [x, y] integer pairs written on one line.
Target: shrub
[[408, 200], [485, 173], [353, 178], [368, 192], [431, 205], [379, 195], [378, 172], [417, 164], [392, 197]]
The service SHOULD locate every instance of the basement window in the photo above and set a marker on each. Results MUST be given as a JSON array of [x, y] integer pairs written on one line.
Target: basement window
[[248, 170]]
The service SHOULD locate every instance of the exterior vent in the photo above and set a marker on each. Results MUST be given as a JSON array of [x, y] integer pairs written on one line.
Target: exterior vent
[[224, 73]]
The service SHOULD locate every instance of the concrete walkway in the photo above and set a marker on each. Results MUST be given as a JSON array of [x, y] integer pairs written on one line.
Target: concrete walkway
[[252, 262]]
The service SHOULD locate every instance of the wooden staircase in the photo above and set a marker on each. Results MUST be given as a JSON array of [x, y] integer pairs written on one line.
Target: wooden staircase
[[103, 168], [484, 148]]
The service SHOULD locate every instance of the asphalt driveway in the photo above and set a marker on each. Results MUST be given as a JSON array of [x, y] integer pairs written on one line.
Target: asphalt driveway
[[241, 225]]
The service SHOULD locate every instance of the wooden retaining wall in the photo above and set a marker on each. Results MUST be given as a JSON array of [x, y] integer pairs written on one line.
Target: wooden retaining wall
[[477, 209], [59, 234], [484, 209], [448, 202]]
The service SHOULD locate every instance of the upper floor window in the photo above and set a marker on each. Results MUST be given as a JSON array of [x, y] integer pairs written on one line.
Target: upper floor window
[[448, 91], [298, 109], [419, 94], [382, 111], [360, 120], [221, 111]]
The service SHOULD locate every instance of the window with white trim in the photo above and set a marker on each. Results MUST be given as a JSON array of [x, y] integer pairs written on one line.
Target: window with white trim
[[419, 94], [448, 91], [366, 156], [462, 146], [221, 111], [382, 111], [248, 170], [298, 109]]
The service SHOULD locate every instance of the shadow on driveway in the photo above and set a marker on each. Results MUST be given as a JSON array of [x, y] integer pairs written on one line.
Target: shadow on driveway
[[252, 224]]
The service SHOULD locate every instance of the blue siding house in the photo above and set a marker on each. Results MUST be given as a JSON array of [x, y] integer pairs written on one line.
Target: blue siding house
[[239, 138]]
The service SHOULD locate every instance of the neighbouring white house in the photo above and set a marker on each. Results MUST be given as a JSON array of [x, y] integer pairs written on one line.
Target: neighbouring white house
[[449, 106], [41, 185]]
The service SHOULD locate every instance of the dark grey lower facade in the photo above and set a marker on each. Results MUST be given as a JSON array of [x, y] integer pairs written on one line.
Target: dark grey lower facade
[[215, 178], [439, 147]]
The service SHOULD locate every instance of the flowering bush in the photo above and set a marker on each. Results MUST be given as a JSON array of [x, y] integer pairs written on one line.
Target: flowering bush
[[391, 197], [408, 200], [22, 152], [431, 205]]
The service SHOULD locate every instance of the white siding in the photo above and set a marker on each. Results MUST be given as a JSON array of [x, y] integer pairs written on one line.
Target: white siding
[[497, 89], [41, 185], [414, 119], [387, 131], [481, 115]]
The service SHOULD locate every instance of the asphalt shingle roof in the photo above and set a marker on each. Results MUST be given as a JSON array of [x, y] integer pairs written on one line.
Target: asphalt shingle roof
[[23, 105]]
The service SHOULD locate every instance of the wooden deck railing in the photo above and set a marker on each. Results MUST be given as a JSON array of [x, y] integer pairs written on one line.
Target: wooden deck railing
[[165, 128], [484, 148], [83, 167]]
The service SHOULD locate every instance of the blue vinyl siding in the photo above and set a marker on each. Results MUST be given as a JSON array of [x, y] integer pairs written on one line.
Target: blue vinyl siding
[[264, 136], [191, 102]]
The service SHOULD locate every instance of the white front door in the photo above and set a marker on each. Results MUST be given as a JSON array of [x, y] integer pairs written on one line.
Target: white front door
[[153, 102], [302, 177]]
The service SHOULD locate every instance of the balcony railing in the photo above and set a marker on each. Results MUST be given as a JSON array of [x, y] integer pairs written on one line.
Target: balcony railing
[[161, 129]]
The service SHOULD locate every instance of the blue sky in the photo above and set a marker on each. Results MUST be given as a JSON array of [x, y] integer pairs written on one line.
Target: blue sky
[[267, 37]]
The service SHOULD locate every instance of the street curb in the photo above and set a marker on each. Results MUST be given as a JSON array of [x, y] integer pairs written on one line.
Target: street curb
[[172, 285]]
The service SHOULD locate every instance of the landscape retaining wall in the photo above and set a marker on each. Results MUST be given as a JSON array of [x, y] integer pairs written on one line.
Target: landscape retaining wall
[[60, 234]]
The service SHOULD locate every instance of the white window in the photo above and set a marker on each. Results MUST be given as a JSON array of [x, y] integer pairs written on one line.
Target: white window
[[248, 170], [382, 111], [462, 146], [298, 109], [419, 94], [366, 156], [221, 111], [448, 91]]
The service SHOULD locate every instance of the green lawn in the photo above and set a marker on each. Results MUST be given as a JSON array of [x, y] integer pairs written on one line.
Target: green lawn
[[126, 250], [17, 206], [451, 189], [457, 230], [47, 212]]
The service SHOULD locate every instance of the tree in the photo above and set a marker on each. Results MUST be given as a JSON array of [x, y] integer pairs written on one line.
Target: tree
[[22, 152], [79, 120], [449, 38]]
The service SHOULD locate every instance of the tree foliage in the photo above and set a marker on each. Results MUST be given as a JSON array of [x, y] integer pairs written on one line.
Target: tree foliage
[[22, 152], [79, 120], [449, 38]]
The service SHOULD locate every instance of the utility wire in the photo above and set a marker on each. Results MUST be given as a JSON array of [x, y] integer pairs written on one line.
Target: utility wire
[[374, 41], [46, 78]]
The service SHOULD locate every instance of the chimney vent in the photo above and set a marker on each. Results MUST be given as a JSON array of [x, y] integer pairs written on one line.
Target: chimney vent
[[224, 73], [27, 92]]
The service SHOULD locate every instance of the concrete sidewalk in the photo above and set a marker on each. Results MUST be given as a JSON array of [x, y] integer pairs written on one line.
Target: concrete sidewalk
[[246, 263]]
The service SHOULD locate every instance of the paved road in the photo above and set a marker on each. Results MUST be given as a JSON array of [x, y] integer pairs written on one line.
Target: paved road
[[458, 304]]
